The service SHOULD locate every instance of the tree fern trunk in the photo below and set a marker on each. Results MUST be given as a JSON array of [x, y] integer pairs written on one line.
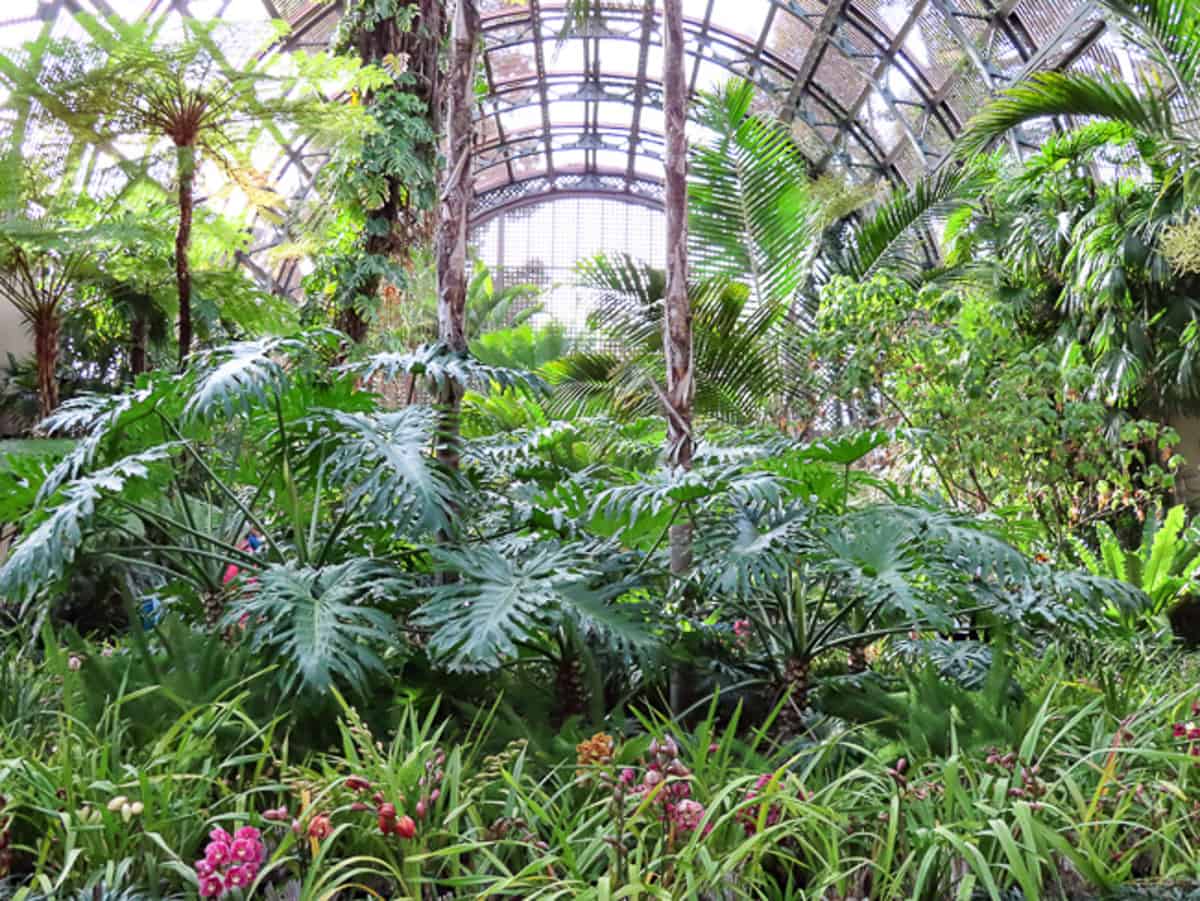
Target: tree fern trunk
[[453, 212], [407, 209], [138, 331], [45, 346], [186, 169], [677, 321]]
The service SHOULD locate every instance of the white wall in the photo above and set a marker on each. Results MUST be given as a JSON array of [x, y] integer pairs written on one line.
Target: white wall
[[14, 339]]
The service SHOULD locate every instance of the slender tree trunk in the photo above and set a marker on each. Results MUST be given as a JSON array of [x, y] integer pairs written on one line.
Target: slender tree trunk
[[45, 347], [186, 166], [138, 329], [453, 211], [677, 320], [408, 210]]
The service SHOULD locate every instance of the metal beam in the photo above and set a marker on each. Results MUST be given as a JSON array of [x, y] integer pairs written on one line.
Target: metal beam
[[812, 56]]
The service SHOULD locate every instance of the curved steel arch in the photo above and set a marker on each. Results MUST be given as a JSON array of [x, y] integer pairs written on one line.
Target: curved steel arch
[[870, 86], [606, 185]]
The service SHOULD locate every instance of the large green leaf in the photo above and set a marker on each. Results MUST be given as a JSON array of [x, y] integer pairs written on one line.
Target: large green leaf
[[320, 623]]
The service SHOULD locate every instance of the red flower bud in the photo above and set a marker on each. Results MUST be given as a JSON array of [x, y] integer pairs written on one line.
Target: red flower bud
[[388, 811], [357, 783], [405, 827]]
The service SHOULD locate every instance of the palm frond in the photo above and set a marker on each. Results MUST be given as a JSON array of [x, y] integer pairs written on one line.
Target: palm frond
[[1066, 94], [751, 213], [887, 241]]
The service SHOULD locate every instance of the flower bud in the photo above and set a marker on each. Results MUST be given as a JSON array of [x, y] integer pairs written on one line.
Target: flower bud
[[137, 807], [405, 827], [117, 803], [421, 809]]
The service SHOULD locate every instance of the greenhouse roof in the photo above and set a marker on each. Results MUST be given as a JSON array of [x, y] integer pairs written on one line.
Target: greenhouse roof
[[874, 89]]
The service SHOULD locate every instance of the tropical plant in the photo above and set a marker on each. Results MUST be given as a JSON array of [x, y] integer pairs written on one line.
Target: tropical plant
[[736, 362], [1163, 564], [187, 92]]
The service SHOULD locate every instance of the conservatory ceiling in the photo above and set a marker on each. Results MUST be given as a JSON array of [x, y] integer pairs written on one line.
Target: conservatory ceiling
[[873, 89]]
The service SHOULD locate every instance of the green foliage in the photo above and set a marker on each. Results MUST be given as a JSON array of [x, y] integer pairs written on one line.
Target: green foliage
[[1163, 565], [321, 624], [506, 593]]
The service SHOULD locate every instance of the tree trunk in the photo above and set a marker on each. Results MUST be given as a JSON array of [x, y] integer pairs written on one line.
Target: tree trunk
[[453, 211], [138, 329], [45, 347], [408, 209], [186, 170], [677, 320]]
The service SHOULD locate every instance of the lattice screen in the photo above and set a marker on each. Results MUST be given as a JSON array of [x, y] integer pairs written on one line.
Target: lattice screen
[[541, 244]]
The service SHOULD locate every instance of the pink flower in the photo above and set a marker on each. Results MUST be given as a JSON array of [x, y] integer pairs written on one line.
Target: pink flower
[[203, 868], [244, 850], [276, 814], [628, 776], [231, 573], [405, 827], [216, 853], [1179, 730], [239, 877], [249, 833], [220, 835], [688, 814], [211, 887], [320, 828]]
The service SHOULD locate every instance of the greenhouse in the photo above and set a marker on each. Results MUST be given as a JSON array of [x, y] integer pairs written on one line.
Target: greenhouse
[[600, 449]]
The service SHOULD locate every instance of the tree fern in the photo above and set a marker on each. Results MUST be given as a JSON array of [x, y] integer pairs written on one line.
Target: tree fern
[[321, 624]]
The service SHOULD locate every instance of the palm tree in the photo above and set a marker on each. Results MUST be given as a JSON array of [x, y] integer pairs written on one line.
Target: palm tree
[[1161, 107], [186, 92], [737, 376]]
